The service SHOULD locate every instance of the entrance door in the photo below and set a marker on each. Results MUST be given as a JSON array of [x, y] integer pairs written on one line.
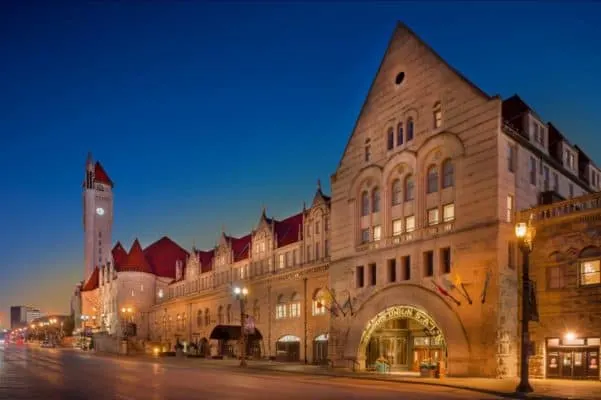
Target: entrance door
[[320, 351], [553, 363], [579, 363], [593, 364]]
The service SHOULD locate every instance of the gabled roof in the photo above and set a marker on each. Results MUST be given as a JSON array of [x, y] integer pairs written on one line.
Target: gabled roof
[[319, 197], [135, 260], [400, 29], [162, 256], [206, 260], [119, 255], [288, 230], [92, 282], [100, 175]]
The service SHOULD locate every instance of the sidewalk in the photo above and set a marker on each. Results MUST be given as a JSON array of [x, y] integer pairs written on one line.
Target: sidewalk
[[543, 388]]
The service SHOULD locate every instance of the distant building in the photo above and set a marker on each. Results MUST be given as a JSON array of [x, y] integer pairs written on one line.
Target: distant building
[[21, 316]]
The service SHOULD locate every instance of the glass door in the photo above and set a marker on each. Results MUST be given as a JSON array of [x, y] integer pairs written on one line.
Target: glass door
[[553, 363], [593, 364], [579, 363]]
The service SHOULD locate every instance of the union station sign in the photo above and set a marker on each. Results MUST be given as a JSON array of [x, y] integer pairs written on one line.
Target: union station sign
[[396, 312]]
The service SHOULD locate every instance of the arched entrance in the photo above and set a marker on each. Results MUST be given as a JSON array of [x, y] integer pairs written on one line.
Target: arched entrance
[[287, 348], [320, 349], [405, 337]]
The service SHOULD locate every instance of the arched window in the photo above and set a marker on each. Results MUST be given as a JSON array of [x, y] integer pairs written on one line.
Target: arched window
[[207, 317], [396, 192], [432, 186], [375, 200], [437, 115], [229, 315], [399, 134], [199, 318], [295, 306], [410, 128], [448, 174], [280, 308], [364, 204], [390, 138], [409, 187]]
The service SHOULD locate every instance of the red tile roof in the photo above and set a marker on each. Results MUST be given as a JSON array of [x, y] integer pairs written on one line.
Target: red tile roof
[[135, 261], [206, 260], [241, 247], [119, 254], [93, 282], [287, 230], [100, 175], [162, 256]]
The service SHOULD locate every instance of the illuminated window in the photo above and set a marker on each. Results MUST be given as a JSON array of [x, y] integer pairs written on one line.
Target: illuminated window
[[590, 272], [397, 227], [377, 232], [448, 212], [509, 208], [295, 306], [280, 309], [433, 217], [410, 223]]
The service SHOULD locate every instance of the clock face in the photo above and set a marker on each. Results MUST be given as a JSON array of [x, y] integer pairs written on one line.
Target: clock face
[[100, 211]]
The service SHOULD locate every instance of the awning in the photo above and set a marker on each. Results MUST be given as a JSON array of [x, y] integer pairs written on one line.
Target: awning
[[232, 332]]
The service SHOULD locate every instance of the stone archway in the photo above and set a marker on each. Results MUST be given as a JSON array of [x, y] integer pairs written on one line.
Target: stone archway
[[421, 304]]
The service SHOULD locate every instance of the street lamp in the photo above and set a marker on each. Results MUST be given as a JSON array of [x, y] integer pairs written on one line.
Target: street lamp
[[241, 294], [525, 233]]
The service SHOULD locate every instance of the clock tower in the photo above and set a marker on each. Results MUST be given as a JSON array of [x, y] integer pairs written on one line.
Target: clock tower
[[97, 216]]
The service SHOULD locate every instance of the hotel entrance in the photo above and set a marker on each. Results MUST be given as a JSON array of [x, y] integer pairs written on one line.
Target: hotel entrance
[[572, 358], [405, 339]]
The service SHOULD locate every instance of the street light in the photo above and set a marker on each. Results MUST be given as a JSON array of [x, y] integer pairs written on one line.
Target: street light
[[525, 233], [241, 294], [127, 314]]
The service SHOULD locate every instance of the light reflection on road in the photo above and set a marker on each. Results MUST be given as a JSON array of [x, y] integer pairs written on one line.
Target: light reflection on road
[[34, 373]]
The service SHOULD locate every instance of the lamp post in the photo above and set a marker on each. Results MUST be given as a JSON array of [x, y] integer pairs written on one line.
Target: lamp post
[[525, 233], [241, 294], [84, 318]]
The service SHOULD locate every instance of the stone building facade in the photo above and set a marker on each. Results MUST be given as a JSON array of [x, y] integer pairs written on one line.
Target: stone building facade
[[565, 266], [412, 261], [423, 204]]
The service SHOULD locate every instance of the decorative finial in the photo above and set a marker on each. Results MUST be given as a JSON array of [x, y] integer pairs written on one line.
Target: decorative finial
[[319, 184], [90, 160], [264, 213], [304, 206]]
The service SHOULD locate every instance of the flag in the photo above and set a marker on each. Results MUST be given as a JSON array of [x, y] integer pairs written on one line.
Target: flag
[[348, 303], [485, 287], [533, 305], [445, 293], [459, 284]]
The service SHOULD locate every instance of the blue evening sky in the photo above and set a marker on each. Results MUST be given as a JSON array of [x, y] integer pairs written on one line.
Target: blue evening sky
[[203, 112]]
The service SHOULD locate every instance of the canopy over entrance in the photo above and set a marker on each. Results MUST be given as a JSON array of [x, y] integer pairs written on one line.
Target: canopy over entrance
[[233, 332]]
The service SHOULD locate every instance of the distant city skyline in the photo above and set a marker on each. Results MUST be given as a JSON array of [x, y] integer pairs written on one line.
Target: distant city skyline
[[204, 113]]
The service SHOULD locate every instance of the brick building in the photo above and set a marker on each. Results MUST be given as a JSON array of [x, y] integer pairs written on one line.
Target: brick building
[[565, 266]]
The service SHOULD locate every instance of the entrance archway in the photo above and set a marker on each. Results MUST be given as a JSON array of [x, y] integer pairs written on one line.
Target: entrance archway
[[405, 337], [288, 348], [443, 315]]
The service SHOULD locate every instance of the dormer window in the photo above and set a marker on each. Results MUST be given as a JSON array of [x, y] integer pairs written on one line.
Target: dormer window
[[568, 159]]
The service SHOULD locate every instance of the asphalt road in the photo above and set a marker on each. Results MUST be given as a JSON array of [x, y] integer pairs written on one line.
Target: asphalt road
[[35, 373]]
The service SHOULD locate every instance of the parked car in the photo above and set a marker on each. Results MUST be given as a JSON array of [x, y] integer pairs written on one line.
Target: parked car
[[48, 344]]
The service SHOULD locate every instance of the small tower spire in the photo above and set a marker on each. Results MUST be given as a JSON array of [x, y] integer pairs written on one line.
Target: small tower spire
[[319, 184]]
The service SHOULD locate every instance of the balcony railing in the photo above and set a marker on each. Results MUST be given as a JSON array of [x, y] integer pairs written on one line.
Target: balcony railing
[[573, 206], [406, 237]]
